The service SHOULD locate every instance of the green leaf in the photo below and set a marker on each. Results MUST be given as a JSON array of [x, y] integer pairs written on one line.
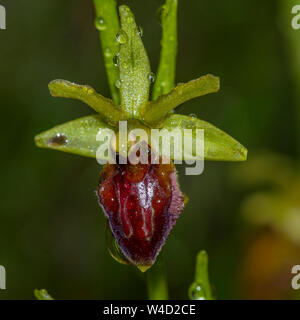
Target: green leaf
[[77, 136], [218, 146], [107, 22], [42, 294], [200, 288], [134, 66], [105, 107], [165, 78], [156, 110]]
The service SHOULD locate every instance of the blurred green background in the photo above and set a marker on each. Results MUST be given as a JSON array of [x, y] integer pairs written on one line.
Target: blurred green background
[[51, 227]]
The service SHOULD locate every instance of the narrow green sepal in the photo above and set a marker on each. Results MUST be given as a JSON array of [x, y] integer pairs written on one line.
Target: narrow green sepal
[[155, 111]]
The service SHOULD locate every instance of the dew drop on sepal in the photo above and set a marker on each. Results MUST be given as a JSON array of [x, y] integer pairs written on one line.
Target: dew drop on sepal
[[140, 31], [121, 37], [118, 84], [116, 60], [152, 77]]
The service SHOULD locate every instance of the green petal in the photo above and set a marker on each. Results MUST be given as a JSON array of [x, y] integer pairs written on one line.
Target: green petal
[[218, 146], [165, 79], [155, 111], [134, 66], [105, 107], [77, 136]]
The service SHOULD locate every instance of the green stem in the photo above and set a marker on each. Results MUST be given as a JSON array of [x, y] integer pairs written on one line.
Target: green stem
[[157, 282], [165, 80], [107, 22]]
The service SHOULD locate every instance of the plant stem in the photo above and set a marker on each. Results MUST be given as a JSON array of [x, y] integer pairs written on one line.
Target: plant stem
[[106, 12], [165, 80], [157, 282]]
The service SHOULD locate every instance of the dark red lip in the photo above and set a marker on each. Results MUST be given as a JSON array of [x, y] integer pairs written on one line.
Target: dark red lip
[[142, 203]]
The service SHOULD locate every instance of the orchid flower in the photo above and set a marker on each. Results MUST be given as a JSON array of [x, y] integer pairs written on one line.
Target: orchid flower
[[141, 202]]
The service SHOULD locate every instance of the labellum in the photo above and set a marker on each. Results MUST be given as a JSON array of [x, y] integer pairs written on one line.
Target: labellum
[[142, 203]]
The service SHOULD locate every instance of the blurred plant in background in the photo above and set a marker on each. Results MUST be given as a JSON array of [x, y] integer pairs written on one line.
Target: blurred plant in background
[[271, 208], [272, 214]]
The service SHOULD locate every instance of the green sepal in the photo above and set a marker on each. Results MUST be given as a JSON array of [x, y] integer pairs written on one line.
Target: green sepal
[[218, 145], [134, 66], [77, 136]]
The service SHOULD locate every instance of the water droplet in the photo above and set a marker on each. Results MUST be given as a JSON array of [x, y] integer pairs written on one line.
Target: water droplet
[[116, 60], [152, 77], [118, 84], [193, 115], [121, 37], [140, 31], [100, 23], [196, 292], [107, 53], [58, 140]]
